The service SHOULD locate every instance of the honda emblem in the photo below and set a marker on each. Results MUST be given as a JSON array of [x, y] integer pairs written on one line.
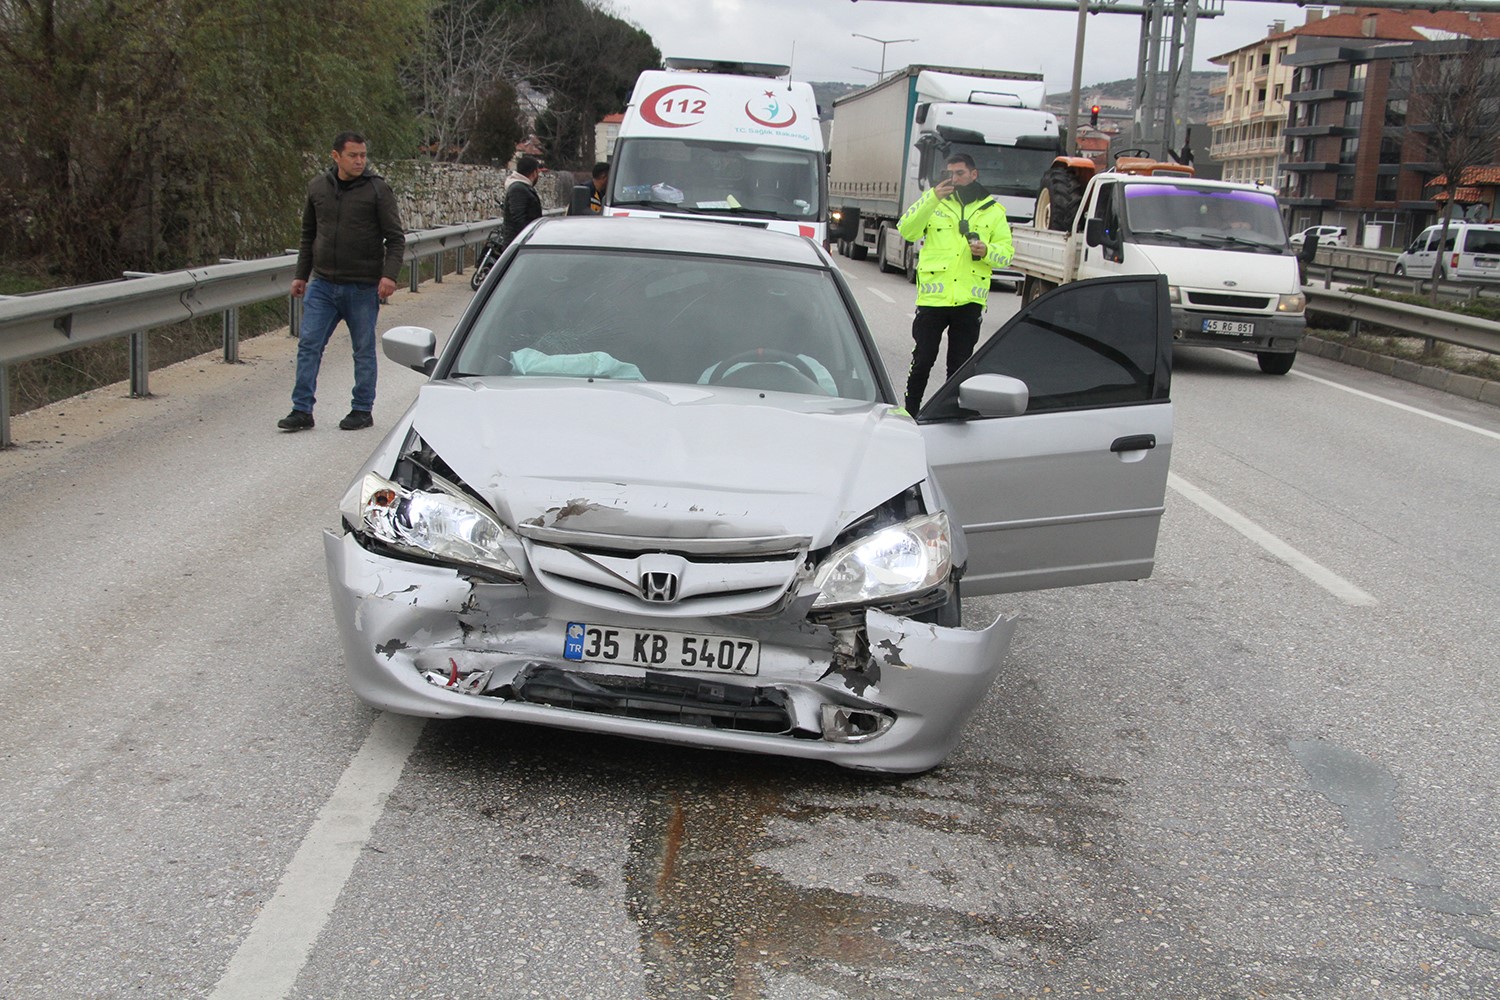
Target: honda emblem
[[659, 587]]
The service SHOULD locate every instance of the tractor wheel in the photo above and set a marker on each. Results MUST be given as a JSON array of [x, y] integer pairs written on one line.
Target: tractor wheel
[[1063, 192]]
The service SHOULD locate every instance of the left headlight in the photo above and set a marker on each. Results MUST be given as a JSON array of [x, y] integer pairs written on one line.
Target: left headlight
[[893, 561], [434, 524]]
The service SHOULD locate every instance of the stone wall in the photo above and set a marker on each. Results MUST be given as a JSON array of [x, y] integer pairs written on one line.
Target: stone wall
[[450, 194]]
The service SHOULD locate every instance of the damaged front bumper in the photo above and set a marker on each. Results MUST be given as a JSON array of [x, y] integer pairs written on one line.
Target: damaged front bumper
[[428, 641]]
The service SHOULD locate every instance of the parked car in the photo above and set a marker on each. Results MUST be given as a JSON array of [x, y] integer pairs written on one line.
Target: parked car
[[659, 485], [1328, 236], [1470, 252]]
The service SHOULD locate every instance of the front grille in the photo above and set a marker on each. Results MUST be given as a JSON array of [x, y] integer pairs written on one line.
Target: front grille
[[687, 701], [1223, 300]]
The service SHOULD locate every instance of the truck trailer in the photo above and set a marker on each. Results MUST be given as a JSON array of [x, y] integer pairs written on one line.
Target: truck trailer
[[889, 142]]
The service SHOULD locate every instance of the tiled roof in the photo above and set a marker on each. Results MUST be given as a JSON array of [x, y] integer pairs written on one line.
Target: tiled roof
[[1471, 175], [1401, 25]]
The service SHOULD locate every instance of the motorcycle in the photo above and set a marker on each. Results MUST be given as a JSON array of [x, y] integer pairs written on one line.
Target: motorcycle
[[489, 252]]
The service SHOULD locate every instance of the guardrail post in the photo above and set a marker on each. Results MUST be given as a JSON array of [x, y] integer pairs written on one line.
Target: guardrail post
[[415, 270], [140, 366], [232, 335], [458, 258], [5, 441], [437, 268], [294, 316]]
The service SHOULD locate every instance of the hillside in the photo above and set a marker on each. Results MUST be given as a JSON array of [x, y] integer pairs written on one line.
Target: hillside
[[1117, 99]]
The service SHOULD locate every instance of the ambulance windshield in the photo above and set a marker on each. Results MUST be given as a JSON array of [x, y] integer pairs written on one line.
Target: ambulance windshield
[[715, 177]]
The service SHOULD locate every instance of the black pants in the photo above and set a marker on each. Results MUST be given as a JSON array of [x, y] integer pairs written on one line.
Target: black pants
[[962, 324]]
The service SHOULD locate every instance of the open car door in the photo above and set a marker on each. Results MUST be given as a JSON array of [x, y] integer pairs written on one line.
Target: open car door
[[1061, 481]]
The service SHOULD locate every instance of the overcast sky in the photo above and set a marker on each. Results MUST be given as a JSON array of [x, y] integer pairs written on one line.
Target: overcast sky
[[823, 30]]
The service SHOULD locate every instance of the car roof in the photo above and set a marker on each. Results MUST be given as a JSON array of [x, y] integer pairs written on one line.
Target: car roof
[[1452, 225], [690, 236]]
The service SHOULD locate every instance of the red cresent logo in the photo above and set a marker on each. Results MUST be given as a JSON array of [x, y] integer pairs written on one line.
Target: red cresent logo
[[652, 108]]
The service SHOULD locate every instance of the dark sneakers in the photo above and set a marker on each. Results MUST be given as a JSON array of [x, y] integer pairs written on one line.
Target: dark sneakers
[[356, 420], [297, 420]]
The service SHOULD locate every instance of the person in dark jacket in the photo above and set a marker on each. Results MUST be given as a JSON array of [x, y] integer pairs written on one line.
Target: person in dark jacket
[[521, 205], [351, 251], [1307, 254], [596, 196]]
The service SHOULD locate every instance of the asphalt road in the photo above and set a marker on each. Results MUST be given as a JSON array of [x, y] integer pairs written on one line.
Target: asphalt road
[[1269, 770]]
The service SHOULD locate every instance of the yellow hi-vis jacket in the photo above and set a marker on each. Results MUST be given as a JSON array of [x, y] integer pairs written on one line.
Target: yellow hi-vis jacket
[[947, 273]]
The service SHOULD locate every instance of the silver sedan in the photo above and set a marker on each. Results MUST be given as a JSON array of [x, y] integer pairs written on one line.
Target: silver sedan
[[658, 485]]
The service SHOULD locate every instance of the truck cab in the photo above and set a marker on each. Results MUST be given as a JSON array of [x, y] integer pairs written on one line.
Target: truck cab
[[734, 142], [1232, 278]]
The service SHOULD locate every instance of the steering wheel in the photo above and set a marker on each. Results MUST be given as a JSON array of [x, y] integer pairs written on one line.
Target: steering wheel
[[1134, 151], [762, 355]]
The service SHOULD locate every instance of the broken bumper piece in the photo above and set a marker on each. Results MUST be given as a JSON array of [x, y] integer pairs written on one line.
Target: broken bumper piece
[[423, 640]]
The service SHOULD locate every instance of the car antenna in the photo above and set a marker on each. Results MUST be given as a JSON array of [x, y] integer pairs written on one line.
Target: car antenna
[[789, 63]]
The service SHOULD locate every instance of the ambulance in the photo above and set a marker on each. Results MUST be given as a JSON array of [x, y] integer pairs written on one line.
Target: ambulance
[[735, 142]]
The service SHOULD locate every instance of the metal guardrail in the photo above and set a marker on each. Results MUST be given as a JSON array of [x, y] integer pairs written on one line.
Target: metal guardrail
[[1417, 321], [41, 324]]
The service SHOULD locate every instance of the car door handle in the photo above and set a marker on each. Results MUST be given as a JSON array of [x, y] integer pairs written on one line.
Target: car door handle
[[1134, 442]]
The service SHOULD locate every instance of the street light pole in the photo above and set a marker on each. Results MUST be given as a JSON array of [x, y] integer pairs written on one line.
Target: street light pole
[[883, 43]]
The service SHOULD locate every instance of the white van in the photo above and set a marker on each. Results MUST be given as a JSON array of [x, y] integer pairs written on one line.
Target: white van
[[737, 142], [1470, 252]]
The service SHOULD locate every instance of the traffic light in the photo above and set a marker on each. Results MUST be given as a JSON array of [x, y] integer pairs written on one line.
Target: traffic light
[[1094, 116]]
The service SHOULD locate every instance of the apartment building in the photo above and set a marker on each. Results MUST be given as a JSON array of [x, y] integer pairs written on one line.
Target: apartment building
[[1356, 151], [1247, 133], [1319, 111]]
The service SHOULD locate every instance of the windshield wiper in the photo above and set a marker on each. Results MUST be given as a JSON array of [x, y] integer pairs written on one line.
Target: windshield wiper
[[1165, 234], [1257, 245], [650, 203]]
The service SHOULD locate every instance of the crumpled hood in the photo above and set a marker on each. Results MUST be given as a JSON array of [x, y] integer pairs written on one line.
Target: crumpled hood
[[1200, 268], [669, 461]]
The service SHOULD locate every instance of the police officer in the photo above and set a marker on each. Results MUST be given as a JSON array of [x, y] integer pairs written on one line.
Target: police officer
[[965, 237]]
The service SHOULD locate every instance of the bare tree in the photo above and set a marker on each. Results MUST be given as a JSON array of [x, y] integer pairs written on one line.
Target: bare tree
[[1455, 100], [471, 50]]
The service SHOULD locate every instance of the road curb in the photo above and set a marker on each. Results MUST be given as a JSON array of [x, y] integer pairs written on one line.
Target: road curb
[[1468, 386]]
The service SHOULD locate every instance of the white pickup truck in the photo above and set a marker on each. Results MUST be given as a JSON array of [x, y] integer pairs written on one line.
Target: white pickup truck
[[1232, 276]]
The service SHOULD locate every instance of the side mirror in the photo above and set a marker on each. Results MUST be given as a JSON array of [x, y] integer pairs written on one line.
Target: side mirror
[[412, 346], [994, 395]]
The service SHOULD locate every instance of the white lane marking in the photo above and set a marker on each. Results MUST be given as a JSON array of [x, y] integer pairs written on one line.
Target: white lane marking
[[879, 294], [1401, 406], [269, 960], [1317, 573]]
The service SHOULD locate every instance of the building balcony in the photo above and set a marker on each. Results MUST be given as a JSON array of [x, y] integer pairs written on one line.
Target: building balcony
[[1218, 89], [1310, 166], [1246, 147]]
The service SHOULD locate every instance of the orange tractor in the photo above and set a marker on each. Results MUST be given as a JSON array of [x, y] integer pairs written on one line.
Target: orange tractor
[[1063, 183]]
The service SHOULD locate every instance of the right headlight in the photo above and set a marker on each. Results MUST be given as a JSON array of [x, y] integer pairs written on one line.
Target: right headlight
[[1294, 303], [892, 561], [434, 524]]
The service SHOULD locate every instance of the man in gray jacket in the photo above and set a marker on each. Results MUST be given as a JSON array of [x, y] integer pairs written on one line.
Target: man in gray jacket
[[352, 246]]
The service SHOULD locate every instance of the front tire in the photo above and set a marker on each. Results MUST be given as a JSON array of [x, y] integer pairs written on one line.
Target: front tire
[[949, 615], [1276, 364], [880, 253]]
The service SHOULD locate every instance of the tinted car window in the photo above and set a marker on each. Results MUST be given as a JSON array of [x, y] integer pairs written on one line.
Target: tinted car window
[[1107, 344], [1482, 241], [667, 318]]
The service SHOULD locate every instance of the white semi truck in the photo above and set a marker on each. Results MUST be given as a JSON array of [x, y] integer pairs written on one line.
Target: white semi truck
[[737, 142], [889, 142], [1232, 278]]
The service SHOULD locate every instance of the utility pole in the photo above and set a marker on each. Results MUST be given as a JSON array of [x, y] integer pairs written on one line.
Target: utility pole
[[883, 43]]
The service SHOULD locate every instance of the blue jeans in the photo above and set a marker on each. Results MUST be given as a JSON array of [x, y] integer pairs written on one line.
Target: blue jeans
[[323, 305]]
